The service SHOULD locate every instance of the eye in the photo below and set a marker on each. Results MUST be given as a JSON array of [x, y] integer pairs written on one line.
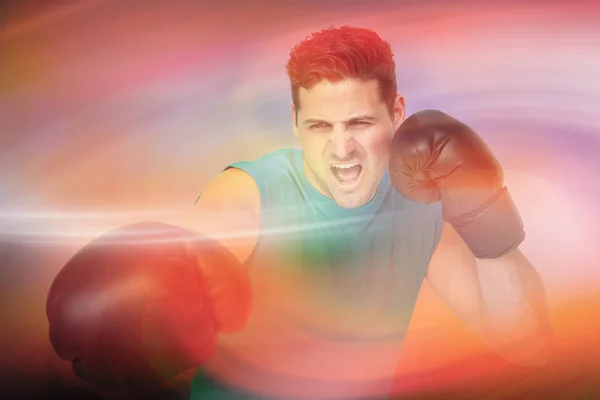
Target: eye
[[360, 123], [317, 125]]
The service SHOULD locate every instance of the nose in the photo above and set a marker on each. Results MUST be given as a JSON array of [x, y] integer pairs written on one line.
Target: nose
[[341, 143]]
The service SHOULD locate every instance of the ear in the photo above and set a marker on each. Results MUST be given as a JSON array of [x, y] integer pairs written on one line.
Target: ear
[[294, 121], [399, 111]]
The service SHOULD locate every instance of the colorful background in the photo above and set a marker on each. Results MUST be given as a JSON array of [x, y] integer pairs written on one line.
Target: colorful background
[[117, 111]]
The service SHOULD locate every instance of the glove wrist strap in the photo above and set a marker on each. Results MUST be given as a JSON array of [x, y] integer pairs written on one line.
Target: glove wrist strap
[[492, 231]]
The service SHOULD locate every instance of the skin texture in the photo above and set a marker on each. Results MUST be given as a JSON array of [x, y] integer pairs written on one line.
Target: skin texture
[[229, 212], [346, 122]]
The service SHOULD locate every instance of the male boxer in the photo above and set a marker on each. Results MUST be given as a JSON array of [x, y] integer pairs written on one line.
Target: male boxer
[[309, 262]]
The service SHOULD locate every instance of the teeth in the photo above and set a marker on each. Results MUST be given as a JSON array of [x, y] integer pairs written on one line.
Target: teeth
[[344, 166]]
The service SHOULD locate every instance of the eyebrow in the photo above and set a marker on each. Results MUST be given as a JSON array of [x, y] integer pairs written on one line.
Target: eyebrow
[[358, 118]]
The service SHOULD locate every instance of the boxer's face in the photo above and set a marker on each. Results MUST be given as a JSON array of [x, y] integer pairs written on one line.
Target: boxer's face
[[345, 130]]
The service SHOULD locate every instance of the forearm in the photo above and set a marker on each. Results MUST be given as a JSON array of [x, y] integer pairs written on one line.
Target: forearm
[[514, 308]]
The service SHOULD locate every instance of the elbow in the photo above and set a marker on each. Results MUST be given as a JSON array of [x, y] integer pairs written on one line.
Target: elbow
[[536, 351], [529, 358]]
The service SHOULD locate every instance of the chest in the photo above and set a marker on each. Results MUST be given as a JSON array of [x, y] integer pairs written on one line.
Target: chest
[[346, 272]]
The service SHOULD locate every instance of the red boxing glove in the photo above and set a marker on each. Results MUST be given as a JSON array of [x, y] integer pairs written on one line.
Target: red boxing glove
[[144, 303], [436, 157]]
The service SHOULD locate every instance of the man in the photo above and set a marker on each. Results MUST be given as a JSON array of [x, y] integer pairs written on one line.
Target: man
[[309, 262]]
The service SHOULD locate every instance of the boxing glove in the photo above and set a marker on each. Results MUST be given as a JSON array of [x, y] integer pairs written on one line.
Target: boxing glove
[[144, 303], [435, 157]]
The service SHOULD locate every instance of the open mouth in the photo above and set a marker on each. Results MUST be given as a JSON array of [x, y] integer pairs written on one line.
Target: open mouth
[[346, 174]]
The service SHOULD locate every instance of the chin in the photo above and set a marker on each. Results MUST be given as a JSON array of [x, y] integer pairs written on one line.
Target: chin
[[348, 205], [350, 201]]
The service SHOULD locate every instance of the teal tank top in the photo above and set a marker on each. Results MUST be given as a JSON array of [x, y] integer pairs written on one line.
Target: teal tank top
[[334, 289]]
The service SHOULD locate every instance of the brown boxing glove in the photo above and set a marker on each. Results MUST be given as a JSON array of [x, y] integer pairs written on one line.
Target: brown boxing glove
[[143, 303], [436, 157]]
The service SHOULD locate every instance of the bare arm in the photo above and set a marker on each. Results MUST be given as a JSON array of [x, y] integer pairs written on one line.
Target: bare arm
[[502, 300], [228, 210], [93, 306]]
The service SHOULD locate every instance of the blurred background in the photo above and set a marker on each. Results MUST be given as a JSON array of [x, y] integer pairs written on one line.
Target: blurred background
[[117, 111]]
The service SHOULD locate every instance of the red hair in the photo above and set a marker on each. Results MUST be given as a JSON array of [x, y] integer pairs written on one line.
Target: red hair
[[335, 54]]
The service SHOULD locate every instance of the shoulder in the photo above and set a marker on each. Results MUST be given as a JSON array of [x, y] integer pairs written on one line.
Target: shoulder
[[422, 220], [232, 188], [228, 210], [417, 211], [272, 165], [274, 173], [241, 183]]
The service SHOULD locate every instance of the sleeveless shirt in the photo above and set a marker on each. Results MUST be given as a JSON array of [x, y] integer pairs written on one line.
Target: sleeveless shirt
[[334, 289]]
